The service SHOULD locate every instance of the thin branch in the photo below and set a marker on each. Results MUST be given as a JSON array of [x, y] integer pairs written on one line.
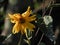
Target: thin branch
[[51, 8], [36, 32], [57, 4], [41, 39], [44, 11], [7, 38], [44, 4]]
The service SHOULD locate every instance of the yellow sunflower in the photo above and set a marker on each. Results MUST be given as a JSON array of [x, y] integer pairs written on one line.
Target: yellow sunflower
[[22, 21]]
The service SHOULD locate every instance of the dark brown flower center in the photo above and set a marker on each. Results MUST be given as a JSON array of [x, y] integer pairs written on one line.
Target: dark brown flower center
[[22, 20]]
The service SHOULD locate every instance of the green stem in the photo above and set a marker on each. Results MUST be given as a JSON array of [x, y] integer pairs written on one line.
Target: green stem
[[28, 39], [19, 43], [29, 42]]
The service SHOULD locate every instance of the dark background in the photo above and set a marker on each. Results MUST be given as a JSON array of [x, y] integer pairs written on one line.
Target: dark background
[[21, 7]]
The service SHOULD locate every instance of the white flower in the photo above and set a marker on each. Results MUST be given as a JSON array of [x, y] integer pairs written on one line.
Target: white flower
[[47, 19]]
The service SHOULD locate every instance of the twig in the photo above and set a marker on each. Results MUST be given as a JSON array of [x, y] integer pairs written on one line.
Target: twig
[[44, 4], [57, 4], [7, 38], [51, 8], [44, 11], [37, 32], [40, 39]]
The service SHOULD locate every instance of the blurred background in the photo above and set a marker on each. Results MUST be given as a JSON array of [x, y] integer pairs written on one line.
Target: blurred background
[[40, 8]]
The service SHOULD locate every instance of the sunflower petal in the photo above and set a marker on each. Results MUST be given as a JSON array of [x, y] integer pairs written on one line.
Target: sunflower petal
[[18, 15], [16, 28], [13, 19], [11, 16], [31, 18], [22, 29], [25, 31], [30, 26], [27, 13]]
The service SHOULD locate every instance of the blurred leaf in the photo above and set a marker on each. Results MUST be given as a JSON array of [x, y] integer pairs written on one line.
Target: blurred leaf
[[42, 43], [38, 16], [50, 33], [28, 37], [2, 38], [1, 1], [39, 20], [26, 41], [36, 5], [1, 10], [29, 34], [13, 2]]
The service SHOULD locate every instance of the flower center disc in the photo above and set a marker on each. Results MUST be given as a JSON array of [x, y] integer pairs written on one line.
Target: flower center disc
[[22, 20]]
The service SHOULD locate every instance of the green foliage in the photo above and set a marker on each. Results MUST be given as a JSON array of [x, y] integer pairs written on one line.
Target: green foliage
[[45, 25], [42, 43], [39, 20]]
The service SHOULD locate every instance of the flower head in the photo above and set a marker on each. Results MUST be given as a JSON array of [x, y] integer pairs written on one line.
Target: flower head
[[22, 21]]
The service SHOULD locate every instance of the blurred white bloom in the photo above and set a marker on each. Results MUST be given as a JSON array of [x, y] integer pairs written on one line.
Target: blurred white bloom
[[47, 19]]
